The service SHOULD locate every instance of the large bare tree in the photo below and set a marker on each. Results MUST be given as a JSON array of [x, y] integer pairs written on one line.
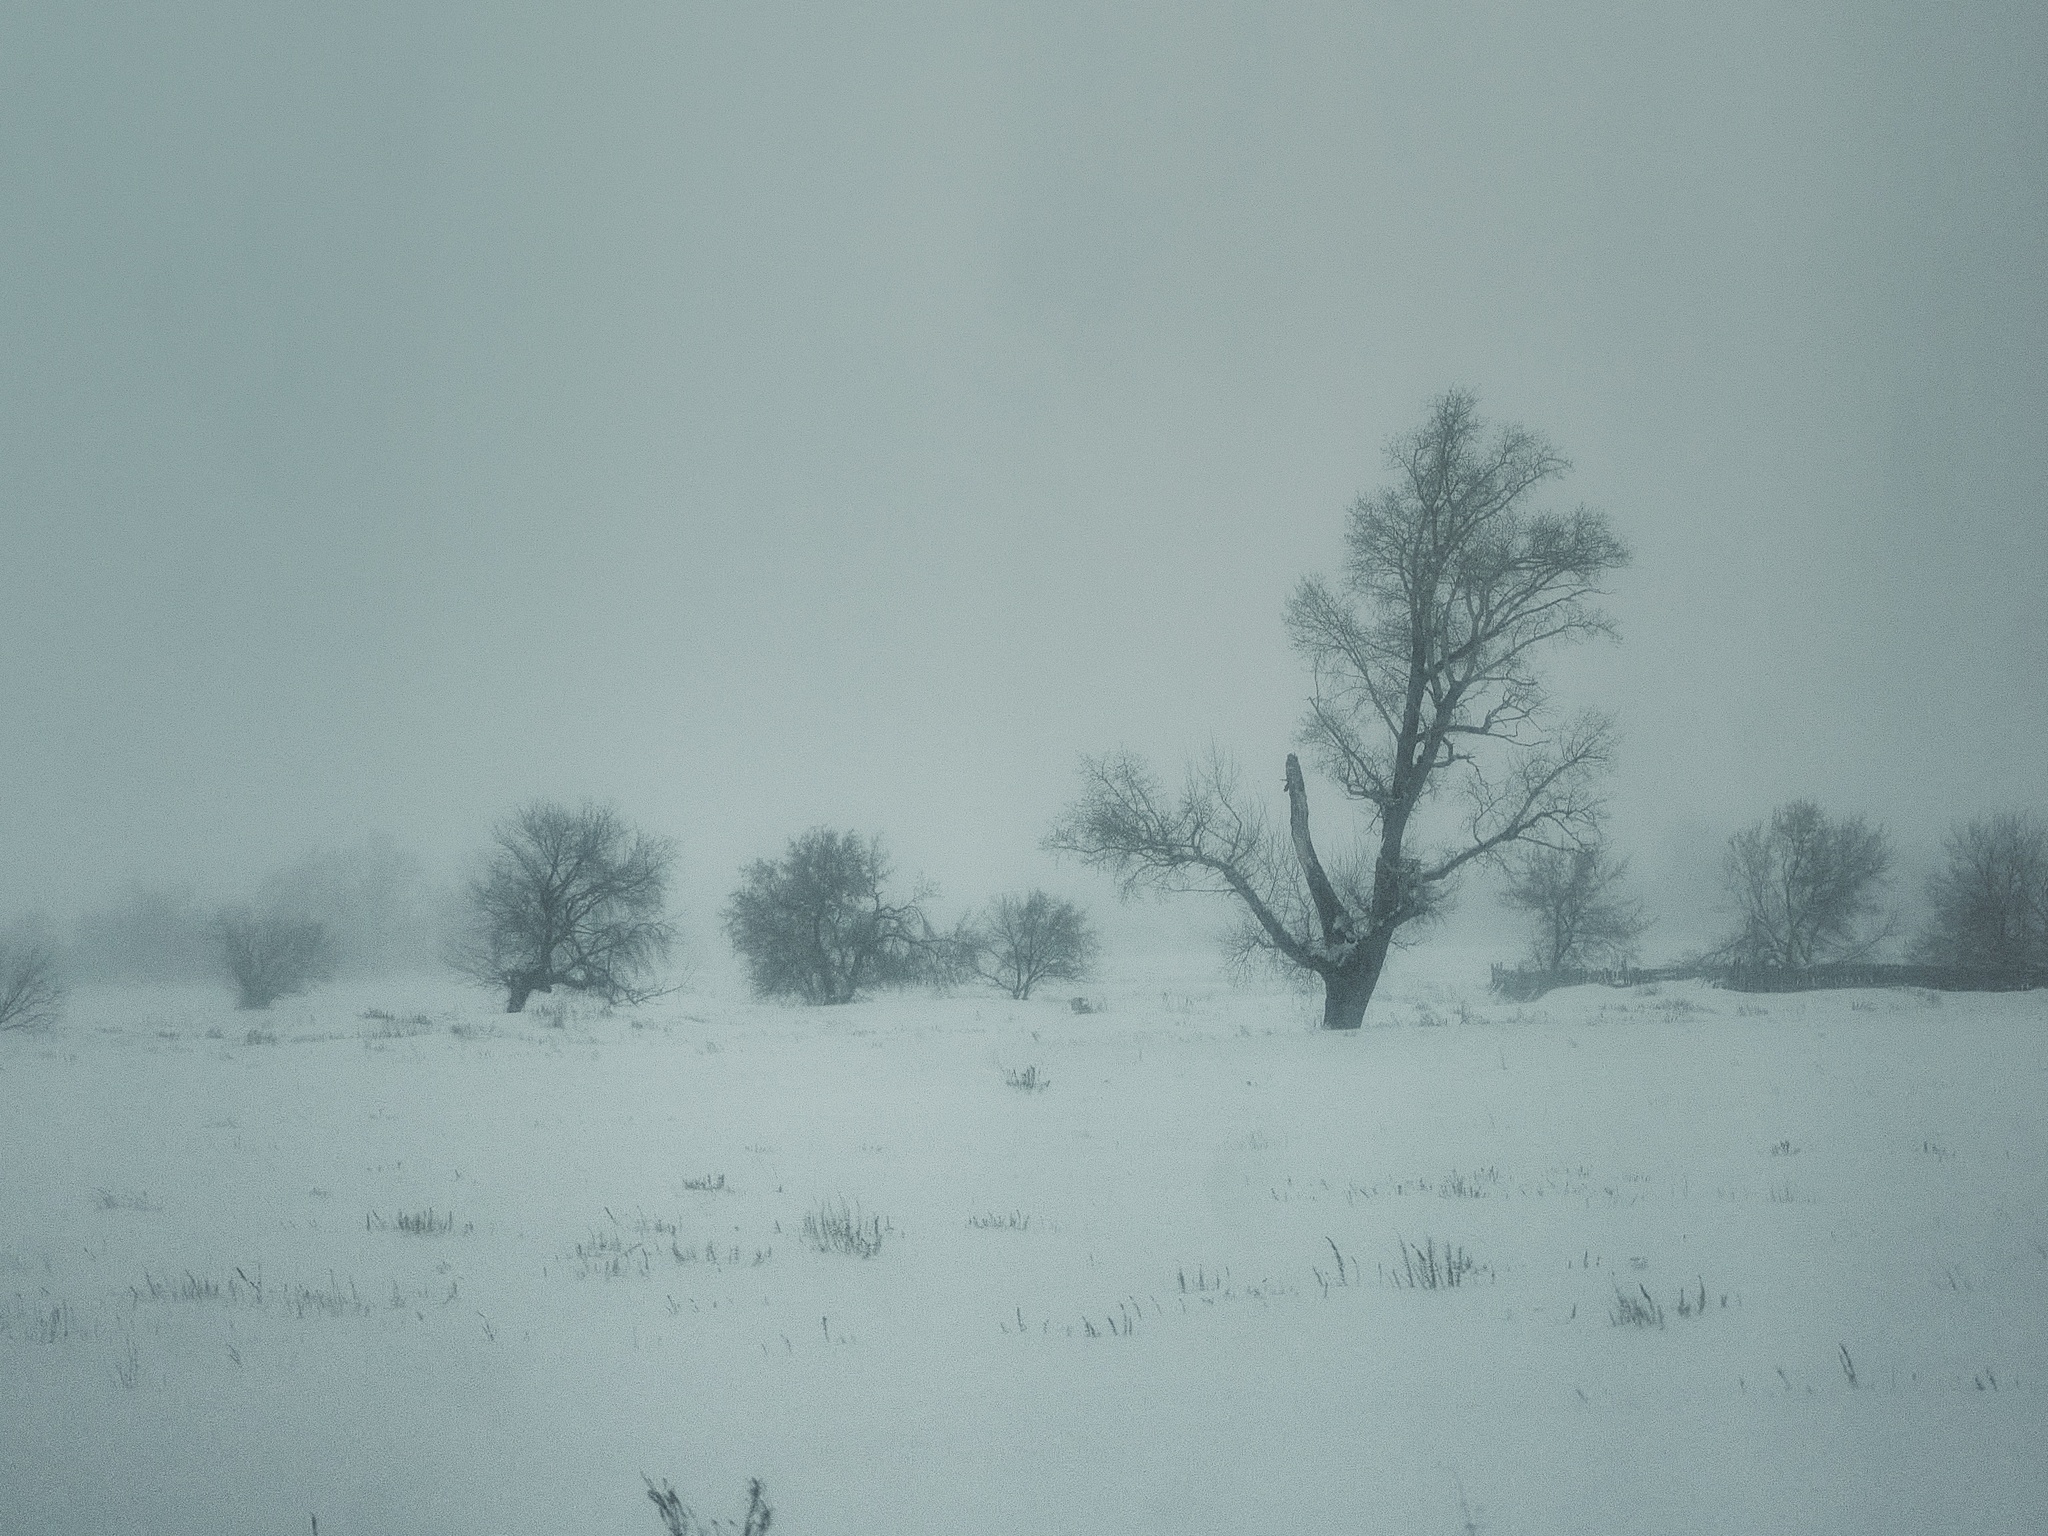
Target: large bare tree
[[1424, 679], [569, 898]]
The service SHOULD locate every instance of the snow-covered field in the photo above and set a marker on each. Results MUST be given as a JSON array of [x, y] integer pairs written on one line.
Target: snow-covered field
[[448, 1272]]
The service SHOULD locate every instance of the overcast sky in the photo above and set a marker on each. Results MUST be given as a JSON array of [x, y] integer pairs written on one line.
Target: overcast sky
[[766, 417]]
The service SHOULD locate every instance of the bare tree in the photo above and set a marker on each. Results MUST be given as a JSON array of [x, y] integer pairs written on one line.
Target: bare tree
[[1578, 913], [1990, 897], [271, 955], [570, 898], [1021, 941], [30, 994], [1423, 664], [815, 924], [1806, 889]]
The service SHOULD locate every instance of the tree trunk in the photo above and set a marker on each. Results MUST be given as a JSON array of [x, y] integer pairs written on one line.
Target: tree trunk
[[1344, 1000], [1346, 992], [519, 988]]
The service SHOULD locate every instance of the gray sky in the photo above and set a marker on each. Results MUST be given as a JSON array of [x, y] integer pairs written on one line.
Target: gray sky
[[851, 414]]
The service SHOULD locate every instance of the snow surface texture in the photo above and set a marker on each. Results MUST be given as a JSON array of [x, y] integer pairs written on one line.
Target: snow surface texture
[[1144, 1269]]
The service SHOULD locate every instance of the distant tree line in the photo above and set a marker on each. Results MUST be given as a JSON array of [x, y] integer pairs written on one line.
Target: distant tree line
[[567, 898], [1808, 895]]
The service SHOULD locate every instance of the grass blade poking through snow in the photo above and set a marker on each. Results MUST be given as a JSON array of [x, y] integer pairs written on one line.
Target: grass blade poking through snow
[[836, 1227]]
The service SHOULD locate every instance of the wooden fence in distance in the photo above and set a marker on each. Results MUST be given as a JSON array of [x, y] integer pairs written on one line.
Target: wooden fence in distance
[[1520, 984]]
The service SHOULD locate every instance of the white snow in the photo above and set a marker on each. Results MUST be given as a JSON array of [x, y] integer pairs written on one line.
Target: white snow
[[1152, 1295]]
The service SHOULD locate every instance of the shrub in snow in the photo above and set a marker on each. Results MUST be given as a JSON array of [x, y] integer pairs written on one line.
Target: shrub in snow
[[817, 926], [678, 1519], [1021, 941], [30, 994], [269, 956]]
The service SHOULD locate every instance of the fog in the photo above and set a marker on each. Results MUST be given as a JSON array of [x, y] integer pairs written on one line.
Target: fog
[[765, 418]]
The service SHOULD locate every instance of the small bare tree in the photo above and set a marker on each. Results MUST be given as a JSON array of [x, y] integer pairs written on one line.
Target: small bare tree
[[1990, 897], [815, 924], [1578, 913], [1806, 889], [1021, 941], [570, 898], [30, 994], [1423, 665], [270, 955]]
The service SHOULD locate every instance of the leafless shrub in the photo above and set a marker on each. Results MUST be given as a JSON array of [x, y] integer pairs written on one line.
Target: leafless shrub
[[269, 955], [30, 994], [1021, 941], [679, 1520], [815, 925]]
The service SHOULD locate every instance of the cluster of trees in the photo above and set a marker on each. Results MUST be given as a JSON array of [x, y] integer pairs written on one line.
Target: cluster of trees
[[568, 898], [1809, 889], [1425, 690], [1806, 889], [577, 899], [363, 910], [817, 926], [1427, 709]]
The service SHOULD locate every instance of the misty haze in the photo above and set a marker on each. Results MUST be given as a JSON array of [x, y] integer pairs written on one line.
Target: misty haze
[[1010, 769]]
